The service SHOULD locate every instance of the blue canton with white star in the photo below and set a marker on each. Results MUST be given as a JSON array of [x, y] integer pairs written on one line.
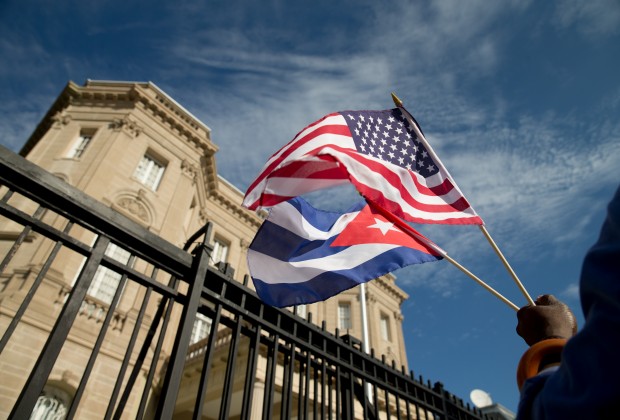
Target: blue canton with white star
[[388, 135]]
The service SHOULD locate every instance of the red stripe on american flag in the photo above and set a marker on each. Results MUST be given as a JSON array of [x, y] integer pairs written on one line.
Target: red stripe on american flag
[[295, 144], [394, 180], [300, 169], [396, 208]]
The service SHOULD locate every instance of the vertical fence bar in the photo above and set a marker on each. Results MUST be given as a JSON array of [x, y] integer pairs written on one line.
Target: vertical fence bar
[[137, 366], [350, 387], [315, 402], [206, 364], [324, 401], [172, 379], [289, 374], [272, 364], [167, 305], [229, 377], [250, 373], [330, 390], [307, 376], [338, 385]]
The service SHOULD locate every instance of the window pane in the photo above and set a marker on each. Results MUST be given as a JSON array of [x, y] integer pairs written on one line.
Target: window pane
[[52, 404], [80, 146], [149, 172], [220, 252], [106, 281], [344, 316], [104, 284], [201, 328], [385, 327]]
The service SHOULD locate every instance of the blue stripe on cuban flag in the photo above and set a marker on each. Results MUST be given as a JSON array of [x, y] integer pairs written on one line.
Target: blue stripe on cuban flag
[[293, 259]]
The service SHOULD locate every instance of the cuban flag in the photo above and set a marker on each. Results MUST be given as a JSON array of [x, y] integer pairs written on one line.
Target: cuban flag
[[303, 255]]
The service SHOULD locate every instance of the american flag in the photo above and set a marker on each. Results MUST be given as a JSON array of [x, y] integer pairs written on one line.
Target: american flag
[[383, 153]]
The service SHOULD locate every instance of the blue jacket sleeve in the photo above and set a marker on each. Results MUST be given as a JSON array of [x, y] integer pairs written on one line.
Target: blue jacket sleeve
[[587, 384]]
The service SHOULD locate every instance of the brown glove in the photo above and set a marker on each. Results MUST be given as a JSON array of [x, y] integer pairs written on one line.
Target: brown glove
[[550, 318]]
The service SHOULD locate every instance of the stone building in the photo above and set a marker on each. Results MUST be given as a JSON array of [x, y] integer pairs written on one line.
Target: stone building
[[135, 149]]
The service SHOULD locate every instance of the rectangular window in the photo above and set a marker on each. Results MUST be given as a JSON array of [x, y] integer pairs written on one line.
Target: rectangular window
[[149, 172], [384, 324], [106, 281], [201, 328], [80, 145], [344, 316], [302, 311], [220, 252]]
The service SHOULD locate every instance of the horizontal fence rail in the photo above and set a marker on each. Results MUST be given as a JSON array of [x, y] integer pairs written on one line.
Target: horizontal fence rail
[[175, 337]]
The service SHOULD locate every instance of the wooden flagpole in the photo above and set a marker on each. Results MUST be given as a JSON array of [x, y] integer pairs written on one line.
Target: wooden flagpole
[[481, 283], [506, 264], [415, 235], [399, 104]]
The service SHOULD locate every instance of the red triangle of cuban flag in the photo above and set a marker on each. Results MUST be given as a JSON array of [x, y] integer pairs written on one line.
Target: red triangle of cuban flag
[[370, 227]]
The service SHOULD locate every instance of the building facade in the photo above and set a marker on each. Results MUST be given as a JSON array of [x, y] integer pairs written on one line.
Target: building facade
[[135, 149]]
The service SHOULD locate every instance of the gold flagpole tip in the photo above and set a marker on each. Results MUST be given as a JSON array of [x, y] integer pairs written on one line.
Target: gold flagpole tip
[[396, 100]]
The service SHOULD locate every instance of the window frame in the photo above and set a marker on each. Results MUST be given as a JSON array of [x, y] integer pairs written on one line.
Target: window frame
[[384, 327], [155, 165], [345, 322], [221, 250], [106, 279], [54, 401], [81, 144], [201, 328]]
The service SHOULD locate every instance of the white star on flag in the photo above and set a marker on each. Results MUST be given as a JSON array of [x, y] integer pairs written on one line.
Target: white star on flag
[[383, 226]]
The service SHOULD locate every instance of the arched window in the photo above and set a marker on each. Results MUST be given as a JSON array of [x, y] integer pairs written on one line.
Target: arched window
[[53, 404]]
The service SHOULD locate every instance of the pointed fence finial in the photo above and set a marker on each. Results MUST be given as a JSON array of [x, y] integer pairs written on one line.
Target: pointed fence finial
[[396, 100]]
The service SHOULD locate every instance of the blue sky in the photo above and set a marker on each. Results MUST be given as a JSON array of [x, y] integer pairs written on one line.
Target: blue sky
[[520, 99]]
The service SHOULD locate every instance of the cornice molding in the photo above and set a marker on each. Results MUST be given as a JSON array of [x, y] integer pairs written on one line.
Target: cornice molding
[[391, 288], [144, 95], [189, 169], [164, 110], [127, 125], [60, 119], [237, 210]]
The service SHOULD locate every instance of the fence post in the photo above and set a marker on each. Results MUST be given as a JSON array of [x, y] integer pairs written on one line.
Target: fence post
[[438, 388], [174, 373]]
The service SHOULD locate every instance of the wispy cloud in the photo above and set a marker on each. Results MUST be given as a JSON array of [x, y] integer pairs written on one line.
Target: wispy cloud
[[591, 17], [571, 293]]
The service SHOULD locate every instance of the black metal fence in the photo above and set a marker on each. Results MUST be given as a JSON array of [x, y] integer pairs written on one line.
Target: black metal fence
[[132, 356]]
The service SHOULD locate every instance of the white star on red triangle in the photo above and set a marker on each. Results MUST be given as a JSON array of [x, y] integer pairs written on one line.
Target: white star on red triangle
[[383, 226]]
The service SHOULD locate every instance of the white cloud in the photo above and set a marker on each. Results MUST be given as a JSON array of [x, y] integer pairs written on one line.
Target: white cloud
[[592, 17], [571, 292]]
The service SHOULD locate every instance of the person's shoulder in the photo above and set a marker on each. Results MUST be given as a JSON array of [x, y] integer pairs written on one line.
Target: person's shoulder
[[530, 390]]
